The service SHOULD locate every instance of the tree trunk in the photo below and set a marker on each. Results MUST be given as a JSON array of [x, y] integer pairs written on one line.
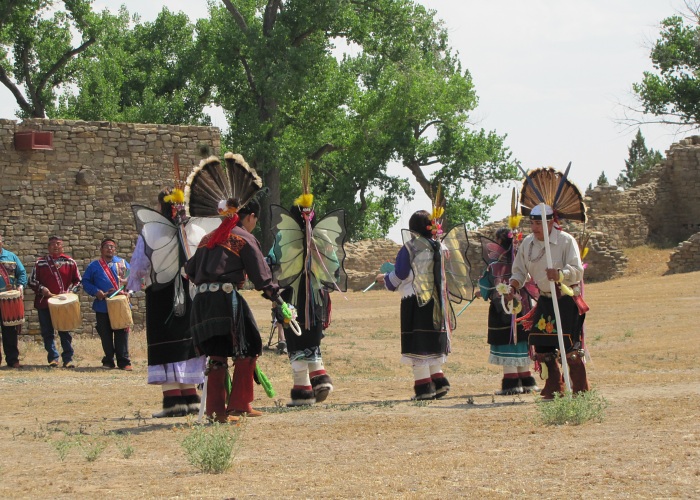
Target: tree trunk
[[272, 182]]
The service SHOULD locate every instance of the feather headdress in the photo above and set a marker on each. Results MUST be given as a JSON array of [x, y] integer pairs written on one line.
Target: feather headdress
[[210, 191], [437, 213], [551, 187], [306, 199]]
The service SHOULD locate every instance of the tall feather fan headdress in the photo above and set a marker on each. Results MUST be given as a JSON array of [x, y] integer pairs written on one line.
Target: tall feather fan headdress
[[550, 186], [212, 191]]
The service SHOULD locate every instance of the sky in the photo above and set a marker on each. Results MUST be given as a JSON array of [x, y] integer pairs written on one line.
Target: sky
[[553, 75]]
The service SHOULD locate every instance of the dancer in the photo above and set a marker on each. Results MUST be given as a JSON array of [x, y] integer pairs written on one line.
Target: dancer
[[13, 278], [430, 272], [307, 262], [565, 201], [172, 361], [222, 323], [508, 339]]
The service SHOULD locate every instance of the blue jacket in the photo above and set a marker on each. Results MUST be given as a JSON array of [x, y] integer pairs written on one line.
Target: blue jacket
[[95, 280], [15, 270]]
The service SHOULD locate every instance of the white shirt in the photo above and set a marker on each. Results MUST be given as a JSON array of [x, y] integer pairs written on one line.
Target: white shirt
[[531, 259]]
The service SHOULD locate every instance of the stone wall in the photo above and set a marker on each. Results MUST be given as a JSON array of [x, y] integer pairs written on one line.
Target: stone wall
[[83, 188], [686, 257]]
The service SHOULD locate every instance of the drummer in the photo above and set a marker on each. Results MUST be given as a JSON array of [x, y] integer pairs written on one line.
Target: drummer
[[54, 274], [12, 277], [102, 278]]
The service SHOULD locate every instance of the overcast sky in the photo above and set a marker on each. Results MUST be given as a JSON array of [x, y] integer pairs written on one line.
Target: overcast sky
[[551, 74]]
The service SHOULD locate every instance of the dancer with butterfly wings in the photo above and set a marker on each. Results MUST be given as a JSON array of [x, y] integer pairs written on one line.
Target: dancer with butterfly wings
[[166, 238], [549, 188], [222, 323], [431, 272], [307, 262], [507, 338]]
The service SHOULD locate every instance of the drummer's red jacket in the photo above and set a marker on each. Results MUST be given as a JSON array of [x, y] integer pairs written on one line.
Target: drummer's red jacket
[[44, 275]]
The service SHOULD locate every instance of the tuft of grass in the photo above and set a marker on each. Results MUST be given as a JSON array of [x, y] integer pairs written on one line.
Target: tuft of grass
[[572, 410], [92, 448], [211, 448], [64, 445], [123, 443]]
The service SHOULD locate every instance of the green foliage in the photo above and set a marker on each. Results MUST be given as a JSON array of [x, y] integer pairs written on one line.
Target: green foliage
[[602, 180], [37, 54], [572, 410], [211, 448], [673, 90], [640, 160], [145, 73]]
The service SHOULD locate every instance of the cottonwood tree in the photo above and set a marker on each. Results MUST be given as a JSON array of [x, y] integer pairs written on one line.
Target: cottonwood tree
[[37, 55], [397, 94]]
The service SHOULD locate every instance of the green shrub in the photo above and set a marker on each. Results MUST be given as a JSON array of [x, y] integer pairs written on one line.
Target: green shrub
[[211, 448], [64, 445], [572, 410], [93, 448]]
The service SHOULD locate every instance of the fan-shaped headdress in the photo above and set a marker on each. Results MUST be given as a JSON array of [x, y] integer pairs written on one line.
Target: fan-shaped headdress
[[212, 190], [551, 187]]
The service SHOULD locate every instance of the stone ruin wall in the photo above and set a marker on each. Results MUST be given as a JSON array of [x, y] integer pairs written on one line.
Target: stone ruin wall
[[662, 208], [84, 187], [686, 256]]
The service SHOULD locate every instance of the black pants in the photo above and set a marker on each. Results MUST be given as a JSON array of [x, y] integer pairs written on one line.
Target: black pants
[[9, 344], [114, 342]]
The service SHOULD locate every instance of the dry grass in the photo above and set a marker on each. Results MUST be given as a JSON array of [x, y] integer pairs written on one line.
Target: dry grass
[[370, 440]]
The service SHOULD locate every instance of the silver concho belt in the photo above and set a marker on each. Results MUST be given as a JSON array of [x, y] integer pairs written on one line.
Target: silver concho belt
[[214, 287]]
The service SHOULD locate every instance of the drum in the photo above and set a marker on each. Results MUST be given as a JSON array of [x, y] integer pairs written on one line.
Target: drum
[[12, 308], [65, 312], [119, 312]]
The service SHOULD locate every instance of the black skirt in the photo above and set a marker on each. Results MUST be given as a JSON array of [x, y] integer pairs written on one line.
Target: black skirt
[[543, 319], [167, 335], [419, 337], [218, 330]]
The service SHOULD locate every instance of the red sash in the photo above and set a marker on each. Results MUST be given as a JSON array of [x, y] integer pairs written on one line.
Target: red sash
[[109, 274], [56, 274], [4, 275]]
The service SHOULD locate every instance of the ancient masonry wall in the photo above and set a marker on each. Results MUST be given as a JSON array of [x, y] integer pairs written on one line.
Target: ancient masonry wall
[[686, 256], [83, 188]]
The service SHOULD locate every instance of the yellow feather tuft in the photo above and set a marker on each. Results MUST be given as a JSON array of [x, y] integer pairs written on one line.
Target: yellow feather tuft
[[437, 212], [177, 196], [584, 253], [514, 221], [305, 200]]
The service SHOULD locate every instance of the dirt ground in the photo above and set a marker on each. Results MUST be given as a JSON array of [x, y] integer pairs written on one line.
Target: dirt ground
[[368, 439]]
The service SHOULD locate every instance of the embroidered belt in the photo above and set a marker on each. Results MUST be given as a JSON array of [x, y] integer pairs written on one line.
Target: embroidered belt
[[215, 287], [576, 288]]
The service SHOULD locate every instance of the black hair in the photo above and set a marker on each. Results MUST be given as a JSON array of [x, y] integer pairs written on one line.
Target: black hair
[[252, 207], [102, 243], [420, 223], [504, 237]]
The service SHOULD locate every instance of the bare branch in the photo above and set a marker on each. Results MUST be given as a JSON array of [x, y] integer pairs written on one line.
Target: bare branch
[[325, 149], [63, 61], [271, 10], [237, 16], [427, 126], [15, 91]]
